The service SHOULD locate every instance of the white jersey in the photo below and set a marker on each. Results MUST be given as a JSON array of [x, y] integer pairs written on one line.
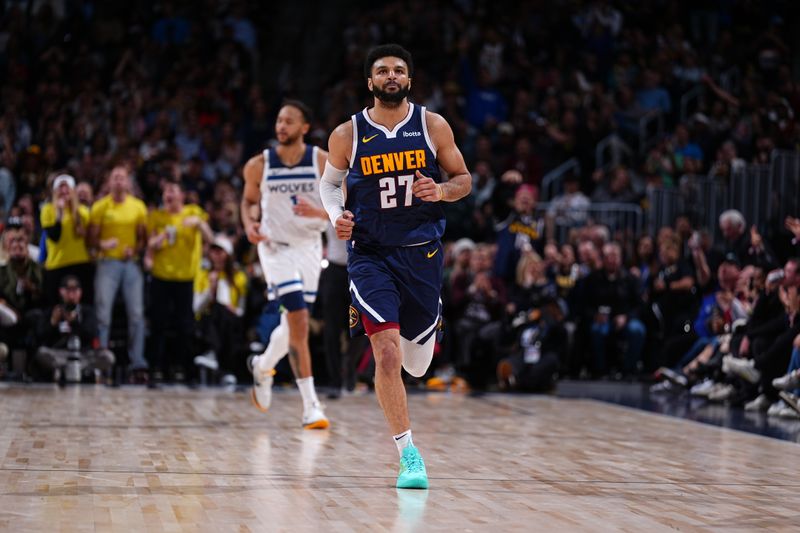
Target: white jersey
[[281, 186]]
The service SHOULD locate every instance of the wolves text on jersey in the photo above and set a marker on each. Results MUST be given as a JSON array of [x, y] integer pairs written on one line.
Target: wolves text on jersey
[[291, 188]]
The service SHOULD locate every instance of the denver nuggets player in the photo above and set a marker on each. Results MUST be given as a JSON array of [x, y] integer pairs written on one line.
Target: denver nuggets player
[[391, 155], [284, 181]]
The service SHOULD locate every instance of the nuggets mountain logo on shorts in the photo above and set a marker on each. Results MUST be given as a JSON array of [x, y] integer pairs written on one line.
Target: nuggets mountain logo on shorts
[[353, 317]]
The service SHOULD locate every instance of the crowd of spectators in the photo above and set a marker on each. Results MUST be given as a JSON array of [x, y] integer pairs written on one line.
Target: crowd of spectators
[[159, 105]]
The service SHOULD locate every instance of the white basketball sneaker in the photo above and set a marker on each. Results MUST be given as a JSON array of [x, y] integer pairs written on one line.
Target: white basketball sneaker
[[314, 417], [261, 393]]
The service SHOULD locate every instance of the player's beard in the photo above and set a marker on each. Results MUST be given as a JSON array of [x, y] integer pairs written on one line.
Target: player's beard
[[290, 139], [390, 99]]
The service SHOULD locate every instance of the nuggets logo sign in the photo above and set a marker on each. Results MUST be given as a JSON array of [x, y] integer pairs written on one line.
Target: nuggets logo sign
[[353, 317]]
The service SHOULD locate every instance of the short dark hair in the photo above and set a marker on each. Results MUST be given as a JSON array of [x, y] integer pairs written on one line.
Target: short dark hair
[[300, 106], [387, 50], [70, 279], [166, 181]]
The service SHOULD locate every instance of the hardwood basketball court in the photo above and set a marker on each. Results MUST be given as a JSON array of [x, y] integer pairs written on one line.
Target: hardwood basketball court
[[98, 459]]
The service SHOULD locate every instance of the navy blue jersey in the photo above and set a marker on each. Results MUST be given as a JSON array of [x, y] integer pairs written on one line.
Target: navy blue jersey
[[383, 167]]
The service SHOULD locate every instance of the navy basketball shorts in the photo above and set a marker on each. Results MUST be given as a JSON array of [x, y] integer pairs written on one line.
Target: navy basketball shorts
[[400, 285]]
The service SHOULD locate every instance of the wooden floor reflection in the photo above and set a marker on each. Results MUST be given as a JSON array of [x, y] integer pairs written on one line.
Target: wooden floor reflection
[[98, 459]]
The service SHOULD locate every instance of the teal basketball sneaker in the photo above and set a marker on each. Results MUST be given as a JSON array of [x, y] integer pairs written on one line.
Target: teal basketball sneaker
[[412, 470]]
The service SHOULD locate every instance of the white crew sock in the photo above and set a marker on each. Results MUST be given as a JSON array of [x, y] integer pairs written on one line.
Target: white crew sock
[[306, 386], [277, 348], [403, 441]]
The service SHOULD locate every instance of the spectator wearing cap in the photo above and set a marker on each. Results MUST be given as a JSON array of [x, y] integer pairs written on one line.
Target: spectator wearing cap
[[64, 222], [457, 270], [461, 253], [174, 246], [69, 321], [220, 292], [20, 289], [118, 233]]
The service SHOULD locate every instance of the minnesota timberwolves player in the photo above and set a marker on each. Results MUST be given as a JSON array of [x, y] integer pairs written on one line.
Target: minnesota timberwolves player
[[391, 154], [287, 227]]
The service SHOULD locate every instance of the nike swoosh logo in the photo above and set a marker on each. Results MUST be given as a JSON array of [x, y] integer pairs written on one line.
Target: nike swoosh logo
[[366, 139], [431, 254]]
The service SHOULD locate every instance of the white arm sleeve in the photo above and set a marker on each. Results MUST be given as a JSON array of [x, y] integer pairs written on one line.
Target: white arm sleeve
[[330, 191], [7, 316]]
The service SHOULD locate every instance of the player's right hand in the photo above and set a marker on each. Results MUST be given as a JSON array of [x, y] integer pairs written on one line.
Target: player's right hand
[[253, 233], [344, 226]]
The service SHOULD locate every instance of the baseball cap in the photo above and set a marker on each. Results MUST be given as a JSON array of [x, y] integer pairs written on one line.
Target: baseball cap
[[462, 245], [732, 258], [223, 243], [63, 178], [14, 223]]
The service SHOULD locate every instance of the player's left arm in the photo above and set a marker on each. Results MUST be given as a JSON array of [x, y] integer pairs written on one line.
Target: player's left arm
[[303, 207], [450, 159]]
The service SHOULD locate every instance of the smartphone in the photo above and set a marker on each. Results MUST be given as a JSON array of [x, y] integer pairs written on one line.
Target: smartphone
[[694, 240]]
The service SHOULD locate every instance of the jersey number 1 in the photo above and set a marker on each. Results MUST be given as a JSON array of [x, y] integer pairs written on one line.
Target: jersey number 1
[[389, 188]]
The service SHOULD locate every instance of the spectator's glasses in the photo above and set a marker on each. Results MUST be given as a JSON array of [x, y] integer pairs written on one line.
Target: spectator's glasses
[[71, 288]]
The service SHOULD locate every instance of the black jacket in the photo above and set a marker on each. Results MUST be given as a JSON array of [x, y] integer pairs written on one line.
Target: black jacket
[[620, 294], [84, 326]]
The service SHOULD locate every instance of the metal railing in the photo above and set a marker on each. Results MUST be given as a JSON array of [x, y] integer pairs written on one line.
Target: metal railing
[[618, 217], [784, 184], [702, 199], [553, 181], [749, 191], [694, 97], [664, 205], [618, 152], [764, 194], [649, 135]]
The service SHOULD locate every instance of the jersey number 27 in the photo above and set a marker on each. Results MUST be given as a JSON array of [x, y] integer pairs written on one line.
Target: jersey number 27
[[389, 187]]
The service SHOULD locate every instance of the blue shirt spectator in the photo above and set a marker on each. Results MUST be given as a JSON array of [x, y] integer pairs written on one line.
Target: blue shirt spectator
[[652, 96]]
